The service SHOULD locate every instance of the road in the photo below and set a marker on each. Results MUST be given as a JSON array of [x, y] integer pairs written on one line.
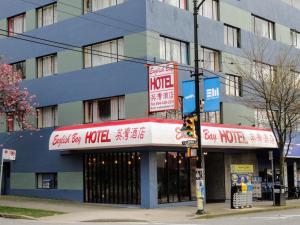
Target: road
[[286, 217]]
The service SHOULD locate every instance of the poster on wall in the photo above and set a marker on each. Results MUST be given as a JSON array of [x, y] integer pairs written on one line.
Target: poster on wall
[[163, 87]]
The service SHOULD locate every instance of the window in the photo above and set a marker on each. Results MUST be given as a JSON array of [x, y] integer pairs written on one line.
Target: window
[[94, 5], [46, 65], [46, 180], [16, 25], [47, 15], [209, 9], [261, 119], [295, 38], [103, 53], [293, 3], [209, 59], [231, 36], [20, 67], [173, 50], [263, 28], [104, 109], [211, 117], [263, 72], [177, 3], [47, 117], [233, 85]]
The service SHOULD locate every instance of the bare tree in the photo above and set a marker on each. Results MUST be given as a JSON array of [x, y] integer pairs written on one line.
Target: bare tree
[[274, 89]]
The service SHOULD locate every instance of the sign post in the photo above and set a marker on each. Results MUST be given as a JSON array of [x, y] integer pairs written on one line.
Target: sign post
[[7, 154], [271, 158]]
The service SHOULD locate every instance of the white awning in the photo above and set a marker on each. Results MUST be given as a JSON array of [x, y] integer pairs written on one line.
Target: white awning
[[156, 132]]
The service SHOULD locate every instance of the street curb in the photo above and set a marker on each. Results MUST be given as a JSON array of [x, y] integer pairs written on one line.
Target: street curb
[[14, 216], [276, 208]]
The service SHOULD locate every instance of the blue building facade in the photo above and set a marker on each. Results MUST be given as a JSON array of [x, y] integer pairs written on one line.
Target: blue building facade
[[76, 67]]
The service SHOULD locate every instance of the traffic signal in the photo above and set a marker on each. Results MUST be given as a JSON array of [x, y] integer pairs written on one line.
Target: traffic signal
[[189, 126]]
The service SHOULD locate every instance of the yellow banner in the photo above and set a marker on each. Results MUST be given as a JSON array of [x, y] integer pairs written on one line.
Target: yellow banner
[[241, 168]]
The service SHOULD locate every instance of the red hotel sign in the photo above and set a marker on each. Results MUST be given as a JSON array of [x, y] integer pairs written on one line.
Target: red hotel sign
[[163, 87], [156, 132]]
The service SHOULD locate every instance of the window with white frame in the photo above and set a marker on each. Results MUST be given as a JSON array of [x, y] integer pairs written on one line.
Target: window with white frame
[[263, 72], [103, 53], [231, 36], [47, 117], [104, 109], [94, 5], [20, 67], [182, 4], [211, 117], [233, 85], [263, 27], [261, 119], [46, 180], [295, 38], [46, 65], [173, 50], [209, 9], [47, 15], [209, 59], [16, 25]]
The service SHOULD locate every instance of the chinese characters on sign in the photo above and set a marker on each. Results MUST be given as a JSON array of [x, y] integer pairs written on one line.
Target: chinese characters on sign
[[163, 87]]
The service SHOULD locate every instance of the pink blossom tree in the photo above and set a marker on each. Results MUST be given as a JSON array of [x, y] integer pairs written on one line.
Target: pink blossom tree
[[16, 104]]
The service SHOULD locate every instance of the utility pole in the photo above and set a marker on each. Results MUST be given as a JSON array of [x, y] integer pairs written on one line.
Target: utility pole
[[200, 181]]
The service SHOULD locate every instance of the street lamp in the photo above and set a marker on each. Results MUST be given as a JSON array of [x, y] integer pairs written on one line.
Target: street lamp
[[200, 178]]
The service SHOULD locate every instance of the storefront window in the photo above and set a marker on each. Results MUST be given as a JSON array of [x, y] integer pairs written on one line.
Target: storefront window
[[174, 175], [112, 178]]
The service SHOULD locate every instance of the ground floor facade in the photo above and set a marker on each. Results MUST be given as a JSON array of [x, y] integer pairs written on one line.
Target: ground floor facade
[[117, 173]]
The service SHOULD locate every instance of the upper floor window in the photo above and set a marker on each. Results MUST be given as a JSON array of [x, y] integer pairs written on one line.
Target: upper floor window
[[104, 109], [211, 117], [16, 24], [295, 38], [231, 36], [263, 27], [182, 4], [261, 118], [103, 53], [47, 15], [20, 67], [263, 72], [47, 117], [209, 9], [209, 59], [233, 85], [173, 50], [94, 5], [46, 65]]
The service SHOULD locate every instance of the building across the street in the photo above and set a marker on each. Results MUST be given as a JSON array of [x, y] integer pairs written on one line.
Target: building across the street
[[96, 141]]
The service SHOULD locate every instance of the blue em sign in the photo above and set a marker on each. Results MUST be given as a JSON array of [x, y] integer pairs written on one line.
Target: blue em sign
[[189, 97], [211, 94]]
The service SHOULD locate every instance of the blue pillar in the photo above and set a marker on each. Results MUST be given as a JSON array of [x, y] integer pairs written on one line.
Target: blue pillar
[[148, 180]]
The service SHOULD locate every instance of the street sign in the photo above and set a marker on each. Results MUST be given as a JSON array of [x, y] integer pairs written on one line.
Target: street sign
[[9, 154], [190, 142]]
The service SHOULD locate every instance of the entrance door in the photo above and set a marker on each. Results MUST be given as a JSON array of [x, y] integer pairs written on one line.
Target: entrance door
[[112, 178], [5, 179], [215, 177]]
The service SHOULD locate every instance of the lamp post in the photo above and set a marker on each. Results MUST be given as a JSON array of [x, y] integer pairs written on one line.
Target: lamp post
[[200, 178]]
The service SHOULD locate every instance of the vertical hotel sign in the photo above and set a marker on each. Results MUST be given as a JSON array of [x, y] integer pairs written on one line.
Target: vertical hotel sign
[[163, 87]]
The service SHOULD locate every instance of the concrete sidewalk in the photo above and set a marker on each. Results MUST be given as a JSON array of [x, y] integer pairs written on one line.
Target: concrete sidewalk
[[76, 212]]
